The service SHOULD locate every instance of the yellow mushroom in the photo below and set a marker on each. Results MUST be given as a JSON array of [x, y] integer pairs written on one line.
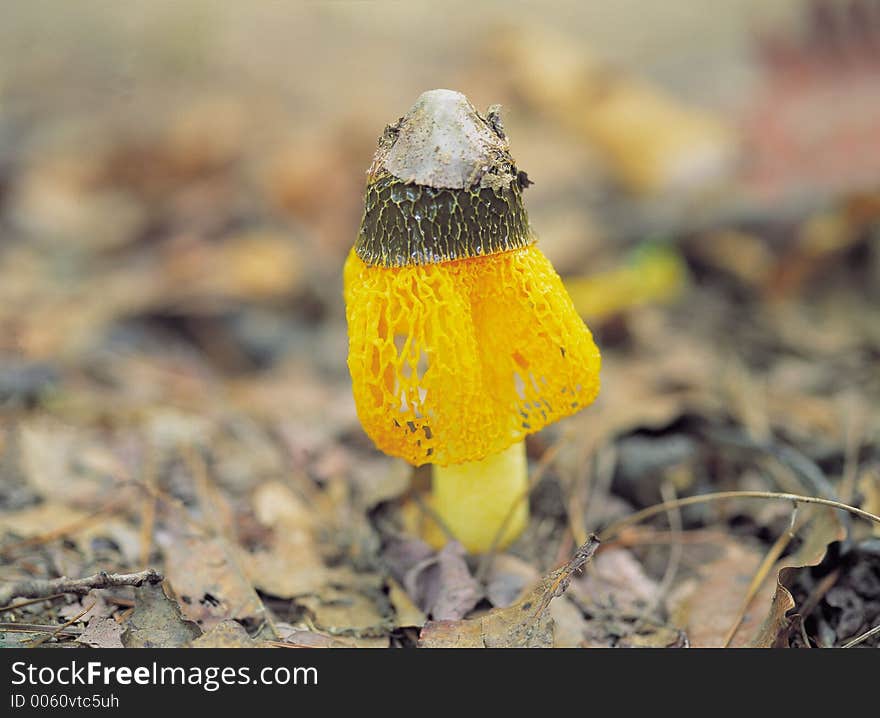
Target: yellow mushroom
[[462, 338]]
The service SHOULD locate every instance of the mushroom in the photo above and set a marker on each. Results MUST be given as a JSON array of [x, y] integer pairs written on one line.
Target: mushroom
[[462, 338]]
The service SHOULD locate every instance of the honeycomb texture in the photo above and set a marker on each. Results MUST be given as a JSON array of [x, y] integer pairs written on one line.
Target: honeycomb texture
[[405, 224], [454, 361]]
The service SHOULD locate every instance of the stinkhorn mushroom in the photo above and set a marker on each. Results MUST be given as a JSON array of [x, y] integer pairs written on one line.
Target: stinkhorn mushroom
[[462, 338]]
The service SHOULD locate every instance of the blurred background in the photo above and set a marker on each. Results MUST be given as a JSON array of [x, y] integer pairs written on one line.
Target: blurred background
[[180, 183]]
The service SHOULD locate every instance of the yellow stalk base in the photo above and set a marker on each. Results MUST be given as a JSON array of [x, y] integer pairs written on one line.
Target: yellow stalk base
[[473, 500]]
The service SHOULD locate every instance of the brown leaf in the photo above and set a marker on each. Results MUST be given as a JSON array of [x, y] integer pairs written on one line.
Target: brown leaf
[[292, 565], [442, 585], [823, 529], [206, 578], [508, 577], [569, 623], [102, 633], [615, 579], [706, 607], [156, 621], [348, 611], [406, 613], [525, 624], [226, 634]]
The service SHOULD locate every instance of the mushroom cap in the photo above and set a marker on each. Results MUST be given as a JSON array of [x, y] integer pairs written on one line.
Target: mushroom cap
[[443, 142], [442, 186]]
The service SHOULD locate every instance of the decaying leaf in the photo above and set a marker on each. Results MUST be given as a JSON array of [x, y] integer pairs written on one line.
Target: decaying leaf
[[508, 577], [157, 621], [346, 611], [292, 565], [442, 585], [102, 633], [615, 579], [226, 634], [406, 613], [206, 578], [823, 529], [525, 624], [706, 607]]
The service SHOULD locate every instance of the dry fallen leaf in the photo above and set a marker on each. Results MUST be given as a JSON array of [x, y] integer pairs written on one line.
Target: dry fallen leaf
[[102, 633], [823, 529], [442, 585], [156, 621], [614, 579], [208, 582], [348, 611], [406, 613], [525, 624], [706, 607], [291, 565], [226, 634]]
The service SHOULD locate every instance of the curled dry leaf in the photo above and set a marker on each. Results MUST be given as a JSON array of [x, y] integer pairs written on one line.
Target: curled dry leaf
[[824, 528], [525, 624]]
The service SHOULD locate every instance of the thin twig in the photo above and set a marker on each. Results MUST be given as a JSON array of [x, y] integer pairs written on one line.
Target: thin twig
[[803, 467], [14, 606], [37, 628], [676, 549], [41, 588], [40, 641], [646, 513], [864, 637]]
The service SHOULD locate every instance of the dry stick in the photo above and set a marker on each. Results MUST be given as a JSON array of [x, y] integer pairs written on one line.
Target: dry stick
[[41, 641], [584, 554], [646, 513], [41, 588], [758, 579], [578, 486], [583, 482], [864, 637], [37, 628], [14, 606]]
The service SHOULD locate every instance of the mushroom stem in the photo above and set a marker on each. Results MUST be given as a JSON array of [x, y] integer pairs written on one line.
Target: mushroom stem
[[474, 499]]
